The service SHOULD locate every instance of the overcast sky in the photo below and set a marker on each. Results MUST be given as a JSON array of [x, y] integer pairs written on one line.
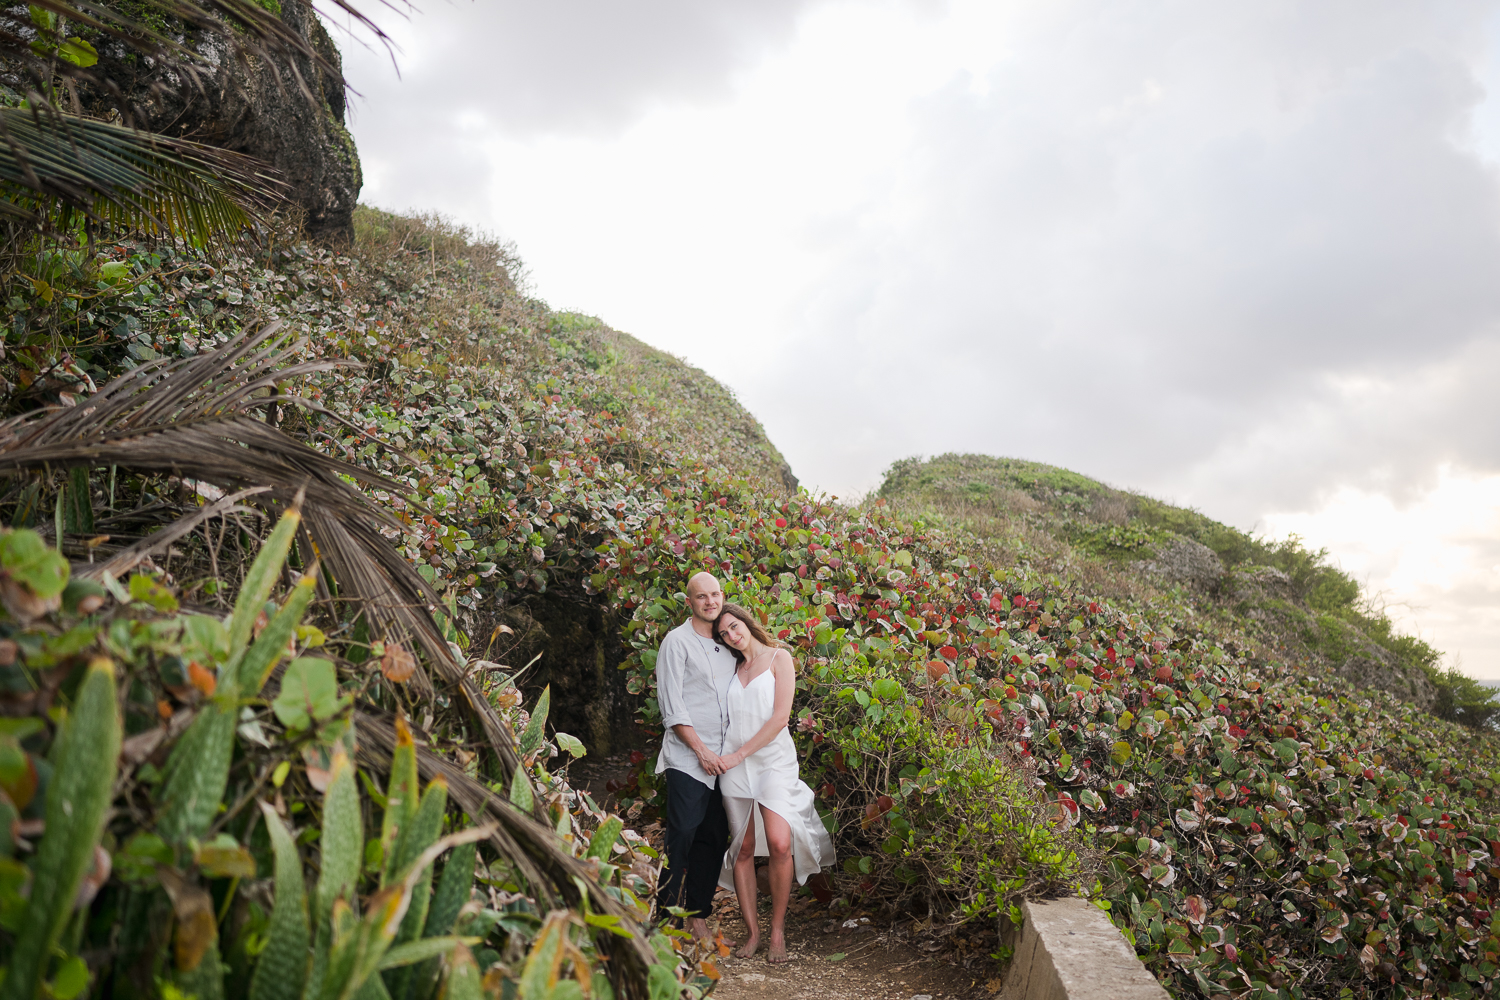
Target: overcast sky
[[1242, 256]]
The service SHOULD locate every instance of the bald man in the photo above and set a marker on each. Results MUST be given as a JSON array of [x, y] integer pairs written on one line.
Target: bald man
[[693, 674]]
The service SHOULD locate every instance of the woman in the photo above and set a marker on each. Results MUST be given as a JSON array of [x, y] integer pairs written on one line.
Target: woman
[[760, 784]]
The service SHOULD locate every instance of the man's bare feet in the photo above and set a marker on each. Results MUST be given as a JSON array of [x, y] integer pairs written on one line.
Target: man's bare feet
[[750, 947], [698, 927], [777, 953]]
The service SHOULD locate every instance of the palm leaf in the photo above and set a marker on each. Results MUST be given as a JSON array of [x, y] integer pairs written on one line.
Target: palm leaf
[[135, 179], [196, 419]]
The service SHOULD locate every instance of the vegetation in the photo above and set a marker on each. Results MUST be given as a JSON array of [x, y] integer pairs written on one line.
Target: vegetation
[[1255, 823]]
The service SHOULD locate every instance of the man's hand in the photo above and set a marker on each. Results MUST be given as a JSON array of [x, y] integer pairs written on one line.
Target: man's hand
[[711, 761]]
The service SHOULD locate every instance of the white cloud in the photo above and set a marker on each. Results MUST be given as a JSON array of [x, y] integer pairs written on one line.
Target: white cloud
[[1434, 562]]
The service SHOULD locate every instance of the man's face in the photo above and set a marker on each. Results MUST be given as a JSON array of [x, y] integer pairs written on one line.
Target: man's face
[[705, 597]]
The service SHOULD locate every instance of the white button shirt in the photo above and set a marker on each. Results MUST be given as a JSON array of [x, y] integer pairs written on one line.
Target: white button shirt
[[693, 675]]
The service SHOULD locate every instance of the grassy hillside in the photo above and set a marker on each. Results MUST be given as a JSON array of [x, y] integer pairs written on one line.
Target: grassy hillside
[[1014, 680], [1293, 602]]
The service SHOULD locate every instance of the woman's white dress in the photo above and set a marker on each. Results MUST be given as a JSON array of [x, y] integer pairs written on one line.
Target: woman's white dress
[[769, 778]]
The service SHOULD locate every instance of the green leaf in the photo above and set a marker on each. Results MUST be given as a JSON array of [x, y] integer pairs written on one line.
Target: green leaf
[[263, 655], [838, 956], [520, 791], [603, 840], [572, 745], [78, 52], [84, 767], [29, 561], [147, 590], [413, 952], [71, 979], [309, 692], [282, 966], [532, 737], [261, 580], [887, 689]]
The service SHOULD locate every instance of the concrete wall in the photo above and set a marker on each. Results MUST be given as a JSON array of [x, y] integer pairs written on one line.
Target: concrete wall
[[1068, 950]]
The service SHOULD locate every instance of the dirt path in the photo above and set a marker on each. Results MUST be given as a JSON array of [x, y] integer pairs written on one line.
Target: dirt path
[[873, 966]]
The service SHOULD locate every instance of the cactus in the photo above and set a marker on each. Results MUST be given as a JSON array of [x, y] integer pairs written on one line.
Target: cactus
[[282, 967], [85, 761]]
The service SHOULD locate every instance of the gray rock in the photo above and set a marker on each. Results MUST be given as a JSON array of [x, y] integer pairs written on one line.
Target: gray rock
[[1183, 560], [245, 106], [1375, 668]]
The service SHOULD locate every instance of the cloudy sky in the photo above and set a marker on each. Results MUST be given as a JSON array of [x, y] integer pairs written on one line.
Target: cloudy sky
[[1243, 256]]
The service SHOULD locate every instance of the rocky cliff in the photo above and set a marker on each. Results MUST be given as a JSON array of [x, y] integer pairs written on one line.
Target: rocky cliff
[[245, 104]]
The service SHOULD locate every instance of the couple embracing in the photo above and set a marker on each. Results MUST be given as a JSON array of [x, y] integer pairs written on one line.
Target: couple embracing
[[733, 792]]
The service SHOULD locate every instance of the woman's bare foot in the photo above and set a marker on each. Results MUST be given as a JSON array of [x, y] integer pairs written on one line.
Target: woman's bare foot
[[777, 953], [750, 947]]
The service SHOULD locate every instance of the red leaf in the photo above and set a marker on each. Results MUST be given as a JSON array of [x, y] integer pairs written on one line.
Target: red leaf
[[949, 652]]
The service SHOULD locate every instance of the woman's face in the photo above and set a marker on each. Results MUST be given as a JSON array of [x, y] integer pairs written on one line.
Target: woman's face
[[734, 632]]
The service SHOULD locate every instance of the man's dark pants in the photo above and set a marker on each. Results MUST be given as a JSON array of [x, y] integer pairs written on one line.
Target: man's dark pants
[[697, 836]]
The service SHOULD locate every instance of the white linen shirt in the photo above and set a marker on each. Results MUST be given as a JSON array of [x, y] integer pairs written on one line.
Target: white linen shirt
[[693, 675]]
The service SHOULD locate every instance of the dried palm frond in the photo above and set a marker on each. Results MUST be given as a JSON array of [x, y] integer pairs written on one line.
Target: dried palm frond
[[138, 180], [196, 419]]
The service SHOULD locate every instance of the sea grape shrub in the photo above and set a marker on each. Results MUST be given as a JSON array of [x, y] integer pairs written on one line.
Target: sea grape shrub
[[1262, 833]]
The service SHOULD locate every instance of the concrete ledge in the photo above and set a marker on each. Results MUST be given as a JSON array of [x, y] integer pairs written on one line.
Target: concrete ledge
[[1070, 951]]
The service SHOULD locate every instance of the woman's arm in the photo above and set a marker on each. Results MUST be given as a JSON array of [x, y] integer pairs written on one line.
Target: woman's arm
[[781, 710]]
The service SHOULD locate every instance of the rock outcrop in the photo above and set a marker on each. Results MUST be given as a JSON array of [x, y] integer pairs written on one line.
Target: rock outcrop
[[1183, 560], [245, 105]]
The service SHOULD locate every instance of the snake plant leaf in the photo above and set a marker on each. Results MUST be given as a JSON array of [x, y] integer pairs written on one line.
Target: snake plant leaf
[[343, 850], [263, 655], [282, 967], [546, 955], [197, 773], [454, 889], [520, 791], [532, 737], [603, 840], [85, 762], [261, 579], [465, 982], [421, 832], [402, 792], [421, 950]]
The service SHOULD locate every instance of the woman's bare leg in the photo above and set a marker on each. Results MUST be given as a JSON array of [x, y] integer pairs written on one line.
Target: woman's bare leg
[[779, 842], [744, 888]]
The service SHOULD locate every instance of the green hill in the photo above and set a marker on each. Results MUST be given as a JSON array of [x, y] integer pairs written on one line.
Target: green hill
[[1081, 533]]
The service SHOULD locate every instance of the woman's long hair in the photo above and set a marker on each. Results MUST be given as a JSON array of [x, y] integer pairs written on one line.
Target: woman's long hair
[[757, 630]]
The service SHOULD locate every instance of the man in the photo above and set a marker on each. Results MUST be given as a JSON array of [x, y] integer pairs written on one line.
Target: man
[[693, 674]]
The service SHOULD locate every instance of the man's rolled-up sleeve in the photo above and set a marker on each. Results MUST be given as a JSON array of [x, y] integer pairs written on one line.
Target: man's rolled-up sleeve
[[671, 664]]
